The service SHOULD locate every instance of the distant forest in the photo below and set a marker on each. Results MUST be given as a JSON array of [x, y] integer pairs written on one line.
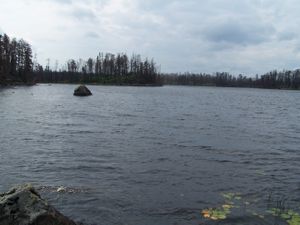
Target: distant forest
[[15, 61], [18, 67], [104, 69], [273, 80]]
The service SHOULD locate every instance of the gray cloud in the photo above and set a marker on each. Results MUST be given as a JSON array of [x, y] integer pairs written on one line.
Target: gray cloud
[[287, 36], [234, 32], [83, 14], [92, 34], [248, 36]]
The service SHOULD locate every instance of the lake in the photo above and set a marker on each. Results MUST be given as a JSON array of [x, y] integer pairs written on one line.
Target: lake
[[154, 155]]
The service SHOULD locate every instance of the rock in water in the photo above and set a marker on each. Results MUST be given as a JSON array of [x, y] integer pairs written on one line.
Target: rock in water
[[82, 91], [24, 206]]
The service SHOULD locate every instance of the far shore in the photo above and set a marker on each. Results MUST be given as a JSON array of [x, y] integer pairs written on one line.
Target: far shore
[[14, 84]]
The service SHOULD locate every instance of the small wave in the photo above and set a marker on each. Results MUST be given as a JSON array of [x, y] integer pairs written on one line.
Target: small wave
[[125, 115], [249, 220], [62, 189], [224, 161], [163, 159], [175, 212], [86, 132], [125, 124], [154, 171]]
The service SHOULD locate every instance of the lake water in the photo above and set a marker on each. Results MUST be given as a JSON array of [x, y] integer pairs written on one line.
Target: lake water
[[160, 155]]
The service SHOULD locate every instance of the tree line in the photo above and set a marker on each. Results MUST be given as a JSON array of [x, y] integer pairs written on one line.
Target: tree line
[[17, 66], [15, 60], [287, 79], [106, 68]]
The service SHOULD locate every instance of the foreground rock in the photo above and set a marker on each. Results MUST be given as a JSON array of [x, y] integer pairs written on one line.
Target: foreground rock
[[24, 206], [82, 91]]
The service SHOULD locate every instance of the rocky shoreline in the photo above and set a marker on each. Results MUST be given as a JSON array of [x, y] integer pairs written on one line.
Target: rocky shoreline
[[23, 205]]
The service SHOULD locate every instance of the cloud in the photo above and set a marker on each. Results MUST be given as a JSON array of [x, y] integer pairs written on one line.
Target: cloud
[[287, 35], [83, 14], [92, 34], [62, 1], [234, 32], [249, 36]]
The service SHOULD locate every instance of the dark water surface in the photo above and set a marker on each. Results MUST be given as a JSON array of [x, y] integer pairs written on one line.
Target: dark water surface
[[145, 156]]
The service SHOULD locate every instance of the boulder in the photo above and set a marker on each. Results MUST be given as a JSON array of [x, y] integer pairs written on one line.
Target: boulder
[[82, 91], [24, 206]]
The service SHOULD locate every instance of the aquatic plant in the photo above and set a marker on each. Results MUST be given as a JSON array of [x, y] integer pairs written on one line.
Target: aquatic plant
[[231, 196], [290, 216], [221, 213], [233, 200]]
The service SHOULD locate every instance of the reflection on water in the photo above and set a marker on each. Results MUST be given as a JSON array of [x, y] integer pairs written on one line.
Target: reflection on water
[[135, 155]]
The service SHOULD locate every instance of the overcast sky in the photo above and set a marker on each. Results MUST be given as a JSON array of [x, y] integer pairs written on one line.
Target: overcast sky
[[237, 36]]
